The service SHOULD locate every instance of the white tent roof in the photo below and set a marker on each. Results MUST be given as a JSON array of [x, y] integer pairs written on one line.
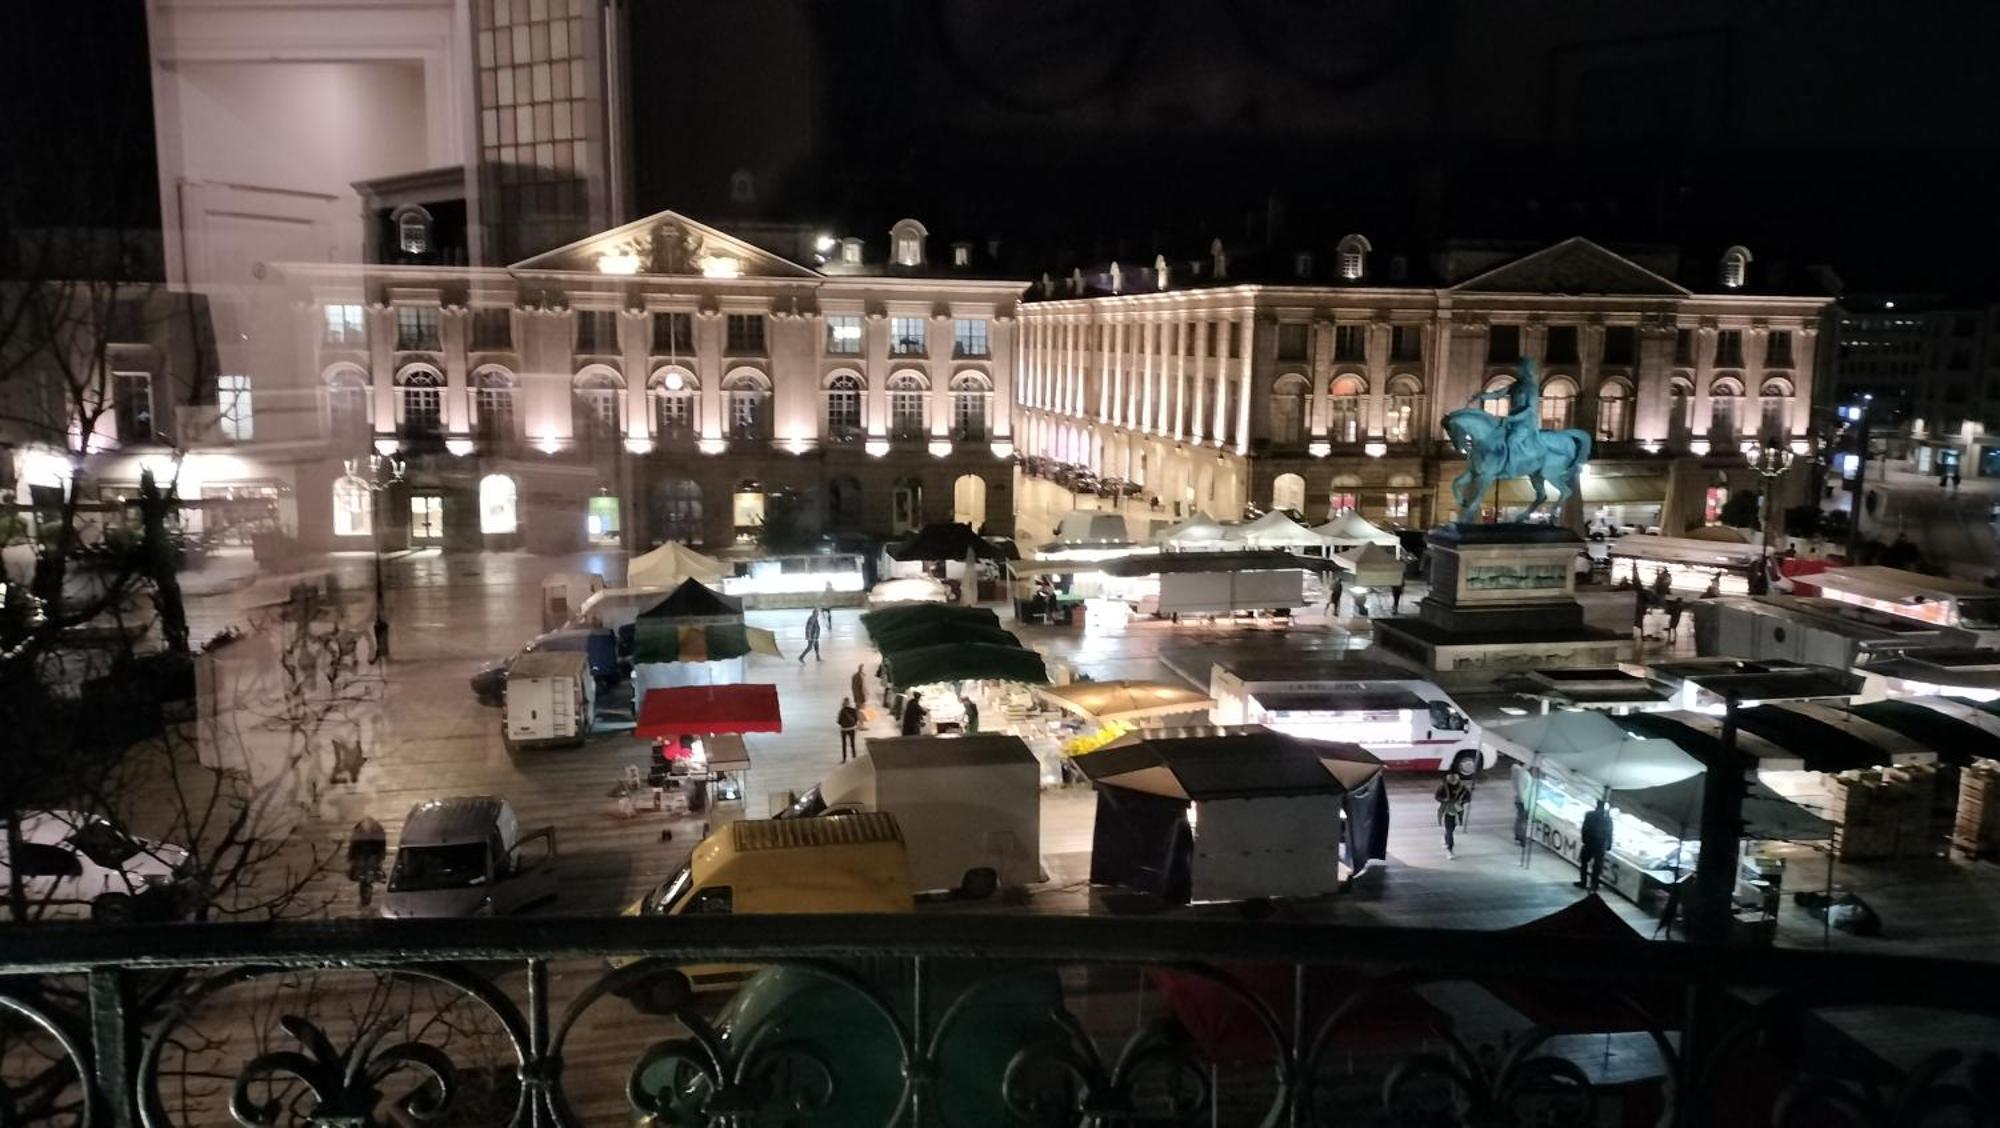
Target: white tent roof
[[1373, 565], [1555, 734], [1630, 764], [1351, 528], [909, 589], [1092, 529], [669, 564], [1199, 528], [1274, 530]]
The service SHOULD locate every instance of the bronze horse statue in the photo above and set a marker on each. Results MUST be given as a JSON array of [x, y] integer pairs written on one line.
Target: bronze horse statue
[[1514, 447]]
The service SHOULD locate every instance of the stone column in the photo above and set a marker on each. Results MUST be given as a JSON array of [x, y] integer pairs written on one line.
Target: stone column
[[1374, 420], [1652, 380], [1148, 422], [1755, 340], [1221, 425], [1704, 371], [1318, 410], [1178, 414], [1590, 358], [633, 349], [1805, 374], [1245, 337], [1198, 421], [381, 322], [454, 326]]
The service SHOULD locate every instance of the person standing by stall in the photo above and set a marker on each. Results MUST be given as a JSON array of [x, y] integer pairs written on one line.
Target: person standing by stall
[[913, 716], [1454, 798], [849, 720], [1595, 843], [859, 682]]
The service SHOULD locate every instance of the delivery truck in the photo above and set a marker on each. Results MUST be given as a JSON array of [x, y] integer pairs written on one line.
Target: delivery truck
[[1406, 721], [551, 697], [970, 807]]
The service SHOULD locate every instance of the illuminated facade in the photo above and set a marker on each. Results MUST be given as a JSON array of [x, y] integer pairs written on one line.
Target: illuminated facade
[[659, 381], [1321, 397]]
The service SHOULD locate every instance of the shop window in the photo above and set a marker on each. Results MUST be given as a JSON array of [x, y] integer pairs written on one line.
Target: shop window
[[353, 508], [1396, 506], [496, 505], [1343, 502], [601, 519]]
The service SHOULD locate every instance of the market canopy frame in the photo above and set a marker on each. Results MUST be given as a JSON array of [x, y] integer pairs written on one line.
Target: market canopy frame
[[1125, 700], [672, 562]]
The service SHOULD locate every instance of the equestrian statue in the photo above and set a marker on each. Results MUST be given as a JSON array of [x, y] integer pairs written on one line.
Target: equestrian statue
[[1514, 446]]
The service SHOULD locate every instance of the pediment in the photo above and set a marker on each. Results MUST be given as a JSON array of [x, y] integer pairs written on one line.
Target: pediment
[[1573, 266], [667, 243]]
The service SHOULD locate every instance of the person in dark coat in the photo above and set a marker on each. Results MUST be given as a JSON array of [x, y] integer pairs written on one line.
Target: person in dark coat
[[849, 720], [1595, 843], [1639, 613], [1454, 798], [1396, 599], [812, 638], [1674, 609], [971, 724], [860, 685], [913, 716]]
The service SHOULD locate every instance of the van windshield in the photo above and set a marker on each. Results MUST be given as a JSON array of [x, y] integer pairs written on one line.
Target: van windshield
[[439, 867], [810, 805], [661, 901]]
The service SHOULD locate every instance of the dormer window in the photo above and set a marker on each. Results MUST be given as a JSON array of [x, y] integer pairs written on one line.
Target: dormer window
[[906, 243], [1735, 268], [961, 254], [1302, 265], [850, 251], [1354, 257], [413, 230], [1219, 256]]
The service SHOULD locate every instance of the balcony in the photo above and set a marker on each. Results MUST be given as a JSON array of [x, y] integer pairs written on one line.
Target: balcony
[[948, 1019]]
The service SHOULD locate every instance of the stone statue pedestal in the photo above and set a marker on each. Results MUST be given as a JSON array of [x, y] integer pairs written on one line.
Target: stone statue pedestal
[[1502, 597]]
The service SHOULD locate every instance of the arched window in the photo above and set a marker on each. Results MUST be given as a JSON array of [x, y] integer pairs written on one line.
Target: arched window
[[422, 400], [493, 404], [843, 407], [1680, 409], [1344, 401], [746, 395], [347, 404], [1774, 411], [1496, 405], [353, 508], [1725, 405], [1614, 411], [675, 395], [907, 396], [676, 511], [1354, 257], [1735, 267], [1405, 408], [596, 417], [1558, 398], [1288, 412], [413, 230], [1288, 491], [496, 505], [970, 394], [906, 243]]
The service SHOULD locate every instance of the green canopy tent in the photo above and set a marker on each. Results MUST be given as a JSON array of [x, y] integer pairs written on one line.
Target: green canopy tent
[[976, 661], [712, 643], [910, 636], [887, 618]]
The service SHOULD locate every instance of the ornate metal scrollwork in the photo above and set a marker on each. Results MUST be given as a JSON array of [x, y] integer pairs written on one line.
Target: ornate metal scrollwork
[[1524, 1087], [72, 1051], [346, 1087]]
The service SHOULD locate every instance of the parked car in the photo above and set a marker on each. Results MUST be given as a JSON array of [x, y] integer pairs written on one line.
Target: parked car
[[467, 857], [75, 864], [489, 682]]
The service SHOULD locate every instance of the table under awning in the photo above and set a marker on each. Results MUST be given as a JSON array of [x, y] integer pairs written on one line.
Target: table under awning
[[670, 712]]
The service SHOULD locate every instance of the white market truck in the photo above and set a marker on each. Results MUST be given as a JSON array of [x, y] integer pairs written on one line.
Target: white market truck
[[970, 807], [551, 697], [1406, 721]]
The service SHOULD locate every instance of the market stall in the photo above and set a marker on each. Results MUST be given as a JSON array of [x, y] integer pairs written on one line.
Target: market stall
[[1199, 531], [1275, 530], [1352, 530], [951, 551], [697, 736], [1097, 713], [1692, 564], [693, 636], [669, 564], [1220, 814]]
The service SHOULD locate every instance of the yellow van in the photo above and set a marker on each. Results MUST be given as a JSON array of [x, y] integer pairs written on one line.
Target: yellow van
[[853, 864]]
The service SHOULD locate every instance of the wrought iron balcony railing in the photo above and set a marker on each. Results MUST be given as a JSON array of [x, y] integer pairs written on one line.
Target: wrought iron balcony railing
[[972, 1019]]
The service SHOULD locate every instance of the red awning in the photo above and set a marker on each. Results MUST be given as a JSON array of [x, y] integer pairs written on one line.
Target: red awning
[[698, 710]]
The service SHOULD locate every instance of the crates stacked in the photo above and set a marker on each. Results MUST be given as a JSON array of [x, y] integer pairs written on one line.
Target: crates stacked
[[1975, 831], [1885, 813]]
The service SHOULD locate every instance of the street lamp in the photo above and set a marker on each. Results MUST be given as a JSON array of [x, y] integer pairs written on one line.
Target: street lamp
[[380, 474], [1770, 462]]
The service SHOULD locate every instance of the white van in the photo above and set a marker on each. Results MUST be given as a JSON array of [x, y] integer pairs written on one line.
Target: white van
[[1406, 721], [551, 697], [970, 807]]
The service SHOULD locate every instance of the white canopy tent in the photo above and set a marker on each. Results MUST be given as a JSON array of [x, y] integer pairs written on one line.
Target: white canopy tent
[[1198, 531], [1275, 530], [1351, 528], [669, 564], [1373, 566]]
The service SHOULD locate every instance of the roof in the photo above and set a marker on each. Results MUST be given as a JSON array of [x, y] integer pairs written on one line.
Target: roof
[[1574, 266], [981, 750], [694, 600], [1201, 764], [1249, 560], [1339, 701], [668, 711], [444, 822], [1685, 550], [1955, 741], [548, 664], [1315, 670], [860, 828], [1896, 584]]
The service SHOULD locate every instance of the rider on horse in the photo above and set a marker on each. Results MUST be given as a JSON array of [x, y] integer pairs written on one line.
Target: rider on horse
[[1524, 416]]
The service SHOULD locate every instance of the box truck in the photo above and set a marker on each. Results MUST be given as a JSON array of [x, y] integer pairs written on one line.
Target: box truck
[[551, 696], [1406, 721], [970, 807]]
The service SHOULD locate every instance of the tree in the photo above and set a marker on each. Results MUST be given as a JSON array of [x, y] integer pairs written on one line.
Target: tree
[[1740, 511]]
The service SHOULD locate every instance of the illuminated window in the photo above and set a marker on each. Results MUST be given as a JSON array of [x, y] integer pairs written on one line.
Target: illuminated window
[[493, 404], [1557, 398], [1405, 408], [969, 395], [1614, 412], [346, 327], [843, 406], [1288, 411], [906, 406], [1353, 257], [347, 404], [413, 230], [745, 394], [232, 396], [1343, 502], [1288, 491], [596, 415], [906, 243], [496, 504], [1735, 267], [1396, 506], [353, 508], [1344, 405], [906, 336], [673, 405], [423, 403], [843, 334], [968, 337]]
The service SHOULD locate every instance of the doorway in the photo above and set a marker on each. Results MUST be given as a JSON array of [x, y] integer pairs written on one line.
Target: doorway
[[426, 519]]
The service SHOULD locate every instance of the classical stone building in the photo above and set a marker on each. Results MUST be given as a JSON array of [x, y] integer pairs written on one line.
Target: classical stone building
[[1325, 394], [662, 380]]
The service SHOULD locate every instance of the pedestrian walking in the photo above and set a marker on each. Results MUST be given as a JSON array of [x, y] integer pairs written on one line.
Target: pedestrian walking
[[1396, 598], [859, 682], [812, 638], [367, 849], [1454, 797], [1955, 479], [826, 604], [1595, 843], [1674, 609], [1333, 599], [913, 716], [849, 720], [1639, 613], [1361, 604], [971, 725]]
